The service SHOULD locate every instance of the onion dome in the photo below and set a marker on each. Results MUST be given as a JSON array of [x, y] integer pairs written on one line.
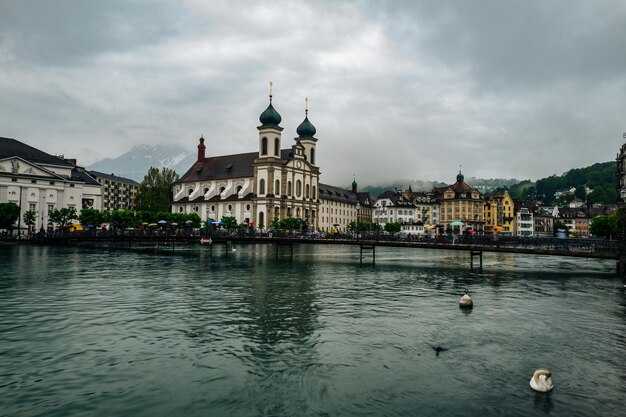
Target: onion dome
[[270, 116], [306, 128]]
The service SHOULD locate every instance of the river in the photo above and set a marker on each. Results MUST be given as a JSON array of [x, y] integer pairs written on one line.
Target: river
[[189, 332]]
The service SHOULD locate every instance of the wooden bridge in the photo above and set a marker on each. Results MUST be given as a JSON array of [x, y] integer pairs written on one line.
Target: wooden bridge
[[474, 245]]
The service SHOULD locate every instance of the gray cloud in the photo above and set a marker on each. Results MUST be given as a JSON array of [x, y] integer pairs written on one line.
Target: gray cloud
[[396, 89]]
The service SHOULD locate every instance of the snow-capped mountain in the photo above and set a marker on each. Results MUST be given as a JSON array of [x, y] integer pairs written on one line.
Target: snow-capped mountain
[[135, 163]]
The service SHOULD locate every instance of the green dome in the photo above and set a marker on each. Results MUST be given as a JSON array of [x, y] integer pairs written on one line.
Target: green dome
[[270, 116], [460, 177], [306, 129]]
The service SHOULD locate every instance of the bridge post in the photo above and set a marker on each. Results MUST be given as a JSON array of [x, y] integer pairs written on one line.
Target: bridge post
[[478, 253], [371, 248]]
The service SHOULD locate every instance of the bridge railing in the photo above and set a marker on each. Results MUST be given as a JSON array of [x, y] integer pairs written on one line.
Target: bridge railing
[[593, 245]]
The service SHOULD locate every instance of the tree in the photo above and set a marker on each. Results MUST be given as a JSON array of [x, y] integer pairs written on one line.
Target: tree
[[604, 226], [580, 193], [9, 213], [229, 222], [290, 223], [275, 224], [30, 218], [63, 216], [92, 217], [155, 190], [393, 227]]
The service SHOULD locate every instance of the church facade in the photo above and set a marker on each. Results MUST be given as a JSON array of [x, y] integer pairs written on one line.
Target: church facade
[[256, 187]]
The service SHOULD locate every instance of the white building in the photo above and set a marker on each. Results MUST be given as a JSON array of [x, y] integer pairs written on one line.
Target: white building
[[256, 187], [524, 223], [35, 180]]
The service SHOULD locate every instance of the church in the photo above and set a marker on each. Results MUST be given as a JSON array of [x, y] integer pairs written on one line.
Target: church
[[256, 187]]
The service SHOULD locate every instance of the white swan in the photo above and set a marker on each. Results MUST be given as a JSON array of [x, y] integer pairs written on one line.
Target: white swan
[[541, 381], [466, 301]]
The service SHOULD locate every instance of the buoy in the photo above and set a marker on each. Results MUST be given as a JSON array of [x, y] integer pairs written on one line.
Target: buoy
[[466, 301], [541, 381]]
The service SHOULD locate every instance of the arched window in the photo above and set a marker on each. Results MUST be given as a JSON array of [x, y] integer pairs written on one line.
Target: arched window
[[276, 212], [239, 187], [264, 146], [261, 186], [276, 147], [277, 187], [306, 191], [222, 189], [190, 191], [298, 188], [206, 190], [313, 193], [313, 156], [261, 220], [289, 188]]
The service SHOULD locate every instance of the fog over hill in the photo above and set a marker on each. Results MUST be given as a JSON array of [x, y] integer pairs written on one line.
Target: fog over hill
[[135, 163]]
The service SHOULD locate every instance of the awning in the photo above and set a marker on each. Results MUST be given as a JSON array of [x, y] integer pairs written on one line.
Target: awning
[[456, 223]]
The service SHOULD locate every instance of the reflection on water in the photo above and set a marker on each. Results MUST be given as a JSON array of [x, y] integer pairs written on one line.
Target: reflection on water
[[247, 333]]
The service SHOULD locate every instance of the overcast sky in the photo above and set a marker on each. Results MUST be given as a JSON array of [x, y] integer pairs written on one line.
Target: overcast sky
[[397, 90]]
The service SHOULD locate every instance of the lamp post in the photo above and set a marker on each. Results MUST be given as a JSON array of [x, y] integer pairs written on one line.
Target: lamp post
[[358, 207]]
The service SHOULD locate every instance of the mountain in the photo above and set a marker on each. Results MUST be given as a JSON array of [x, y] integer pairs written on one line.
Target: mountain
[[135, 163]]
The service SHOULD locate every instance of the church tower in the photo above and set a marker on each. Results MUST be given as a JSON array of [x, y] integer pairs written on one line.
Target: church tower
[[306, 136], [270, 132]]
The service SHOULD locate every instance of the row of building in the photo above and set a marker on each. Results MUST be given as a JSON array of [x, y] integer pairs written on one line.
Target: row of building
[[278, 181], [38, 181]]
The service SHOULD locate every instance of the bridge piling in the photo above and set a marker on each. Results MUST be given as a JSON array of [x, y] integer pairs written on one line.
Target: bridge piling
[[478, 253], [371, 248]]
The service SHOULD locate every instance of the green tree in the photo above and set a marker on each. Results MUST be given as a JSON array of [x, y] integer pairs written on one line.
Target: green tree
[[62, 217], [290, 223], [9, 213], [604, 226], [155, 190], [229, 222], [92, 217], [30, 218], [275, 224], [580, 193], [393, 227]]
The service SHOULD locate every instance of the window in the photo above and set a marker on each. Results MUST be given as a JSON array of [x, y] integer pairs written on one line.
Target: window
[[206, 190], [313, 193], [261, 186], [261, 220], [222, 189], [190, 191], [32, 207], [306, 191], [35, 182], [212, 209], [276, 147], [289, 188], [247, 207], [277, 187], [238, 189], [298, 188], [264, 146], [313, 156], [230, 207], [71, 185]]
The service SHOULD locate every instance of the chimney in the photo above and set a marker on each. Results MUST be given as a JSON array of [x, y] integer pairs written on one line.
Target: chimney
[[201, 149]]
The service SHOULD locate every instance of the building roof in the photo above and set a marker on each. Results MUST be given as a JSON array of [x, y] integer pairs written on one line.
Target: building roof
[[12, 147], [81, 174], [332, 193], [240, 165], [396, 199], [114, 177]]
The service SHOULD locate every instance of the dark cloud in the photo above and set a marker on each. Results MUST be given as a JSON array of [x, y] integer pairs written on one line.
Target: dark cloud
[[397, 89]]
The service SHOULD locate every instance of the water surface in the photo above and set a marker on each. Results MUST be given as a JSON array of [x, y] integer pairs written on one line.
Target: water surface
[[106, 332]]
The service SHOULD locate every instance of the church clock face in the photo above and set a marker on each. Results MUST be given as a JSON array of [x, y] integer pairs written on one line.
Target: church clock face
[[299, 164]]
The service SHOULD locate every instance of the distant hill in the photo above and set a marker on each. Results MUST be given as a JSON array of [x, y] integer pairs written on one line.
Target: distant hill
[[135, 163], [598, 179]]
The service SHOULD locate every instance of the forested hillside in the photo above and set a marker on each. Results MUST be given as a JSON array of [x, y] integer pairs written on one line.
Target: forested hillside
[[599, 178]]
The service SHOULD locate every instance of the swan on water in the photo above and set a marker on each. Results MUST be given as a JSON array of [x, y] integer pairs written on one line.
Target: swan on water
[[466, 301], [541, 381]]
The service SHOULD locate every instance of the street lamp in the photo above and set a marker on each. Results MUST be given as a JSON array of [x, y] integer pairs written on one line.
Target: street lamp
[[358, 207]]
